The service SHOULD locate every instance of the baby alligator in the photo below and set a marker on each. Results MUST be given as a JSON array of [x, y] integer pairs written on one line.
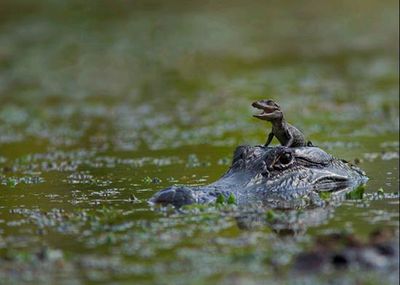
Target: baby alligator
[[287, 134]]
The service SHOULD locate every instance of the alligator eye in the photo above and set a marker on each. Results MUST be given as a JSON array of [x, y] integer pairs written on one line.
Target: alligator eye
[[285, 158]]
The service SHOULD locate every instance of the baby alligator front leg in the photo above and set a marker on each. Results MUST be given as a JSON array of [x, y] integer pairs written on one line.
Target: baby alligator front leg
[[269, 139]]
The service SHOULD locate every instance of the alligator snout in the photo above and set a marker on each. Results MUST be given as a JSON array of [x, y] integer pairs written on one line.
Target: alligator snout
[[176, 195]]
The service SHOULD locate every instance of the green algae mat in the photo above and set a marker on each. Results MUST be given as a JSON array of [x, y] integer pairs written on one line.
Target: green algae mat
[[104, 103]]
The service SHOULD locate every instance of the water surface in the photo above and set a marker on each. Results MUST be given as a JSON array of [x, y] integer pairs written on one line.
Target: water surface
[[104, 103]]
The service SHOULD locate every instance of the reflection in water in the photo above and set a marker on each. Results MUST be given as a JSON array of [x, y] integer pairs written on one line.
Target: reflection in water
[[286, 222], [294, 217]]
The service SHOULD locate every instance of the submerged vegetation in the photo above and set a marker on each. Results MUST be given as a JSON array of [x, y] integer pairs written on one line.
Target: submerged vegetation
[[103, 104]]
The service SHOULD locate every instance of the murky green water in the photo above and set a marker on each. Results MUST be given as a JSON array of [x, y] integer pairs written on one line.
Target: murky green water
[[105, 101]]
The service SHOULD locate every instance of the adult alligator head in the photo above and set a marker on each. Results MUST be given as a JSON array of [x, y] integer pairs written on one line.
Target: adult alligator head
[[271, 176]]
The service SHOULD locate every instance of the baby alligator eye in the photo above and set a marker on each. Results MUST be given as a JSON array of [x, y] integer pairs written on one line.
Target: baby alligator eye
[[285, 158]]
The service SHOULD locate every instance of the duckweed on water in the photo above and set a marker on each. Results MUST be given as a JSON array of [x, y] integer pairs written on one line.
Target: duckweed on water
[[325, 195], [270, 216], [357, 193], [149, 180], [231, 200], [14, 181], [220, 199], [380, 191]]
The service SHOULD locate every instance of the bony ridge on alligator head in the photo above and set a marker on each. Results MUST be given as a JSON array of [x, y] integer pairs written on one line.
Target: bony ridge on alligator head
[[287, 134]]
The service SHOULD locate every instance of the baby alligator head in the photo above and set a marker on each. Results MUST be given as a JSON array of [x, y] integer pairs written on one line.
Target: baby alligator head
[[270, 110], [265, 174]]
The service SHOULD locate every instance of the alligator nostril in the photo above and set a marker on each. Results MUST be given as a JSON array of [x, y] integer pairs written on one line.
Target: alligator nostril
[[340, 261]]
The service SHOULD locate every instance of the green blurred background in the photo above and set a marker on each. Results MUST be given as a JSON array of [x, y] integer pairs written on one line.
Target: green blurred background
[[120, 63]]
